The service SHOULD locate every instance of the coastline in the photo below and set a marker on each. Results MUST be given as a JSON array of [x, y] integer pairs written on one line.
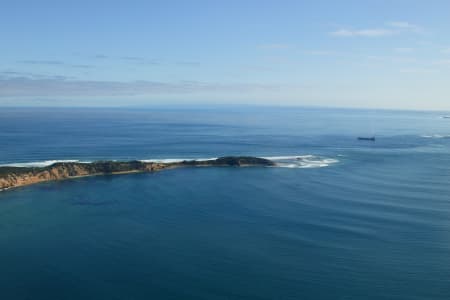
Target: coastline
[[15, 177], [72, 177]]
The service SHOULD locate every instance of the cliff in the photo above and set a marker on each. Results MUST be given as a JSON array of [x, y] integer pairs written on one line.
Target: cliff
[[11, 177]]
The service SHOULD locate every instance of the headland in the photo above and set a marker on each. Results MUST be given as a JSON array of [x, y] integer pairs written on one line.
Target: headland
[[12, 177]]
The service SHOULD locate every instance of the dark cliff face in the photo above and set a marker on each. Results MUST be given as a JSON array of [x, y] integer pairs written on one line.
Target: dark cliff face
[[244, 161], [232, 161], [17, 176]]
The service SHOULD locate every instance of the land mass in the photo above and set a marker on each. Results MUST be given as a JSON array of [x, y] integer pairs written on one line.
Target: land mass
[[11, 177]]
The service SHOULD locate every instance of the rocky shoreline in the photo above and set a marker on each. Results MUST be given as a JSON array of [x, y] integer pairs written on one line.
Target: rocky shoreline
[[12, 177]]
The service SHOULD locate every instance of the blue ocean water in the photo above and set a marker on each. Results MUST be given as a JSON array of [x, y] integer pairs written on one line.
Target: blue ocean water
[[357, 220]]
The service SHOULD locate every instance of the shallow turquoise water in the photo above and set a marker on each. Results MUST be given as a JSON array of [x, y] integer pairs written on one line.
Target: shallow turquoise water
[[375, 225]]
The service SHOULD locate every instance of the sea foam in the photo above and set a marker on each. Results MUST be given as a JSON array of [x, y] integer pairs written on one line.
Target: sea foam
[[302, 161], [175, 160], [436, 136], [289, 161], [40, 164]]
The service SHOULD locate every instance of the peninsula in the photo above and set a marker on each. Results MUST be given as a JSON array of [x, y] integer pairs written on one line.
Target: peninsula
[[11, 177]]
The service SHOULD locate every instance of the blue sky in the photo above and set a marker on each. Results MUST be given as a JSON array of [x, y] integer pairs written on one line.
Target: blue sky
[[382, 54]]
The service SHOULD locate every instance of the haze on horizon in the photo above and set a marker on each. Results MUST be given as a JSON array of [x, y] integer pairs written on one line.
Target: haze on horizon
[[370, 54]]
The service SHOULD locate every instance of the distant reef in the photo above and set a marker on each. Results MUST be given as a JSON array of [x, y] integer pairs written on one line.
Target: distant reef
[[11, 177]]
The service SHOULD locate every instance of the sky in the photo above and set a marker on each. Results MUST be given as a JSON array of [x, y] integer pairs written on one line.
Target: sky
[[369, 54]]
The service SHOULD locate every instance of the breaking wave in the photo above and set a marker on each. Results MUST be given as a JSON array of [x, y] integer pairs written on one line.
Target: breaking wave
[[292, 161], [40, 164], [174, 160], [302, 161], [436, 136]]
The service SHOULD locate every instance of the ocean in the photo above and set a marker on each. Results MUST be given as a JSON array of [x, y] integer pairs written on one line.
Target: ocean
[[348, 220]]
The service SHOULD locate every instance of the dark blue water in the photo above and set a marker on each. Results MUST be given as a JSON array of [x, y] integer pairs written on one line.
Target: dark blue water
[[374, 224]]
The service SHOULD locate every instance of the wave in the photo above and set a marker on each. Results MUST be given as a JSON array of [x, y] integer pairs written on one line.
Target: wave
[[436, 136], [291, 161], [174, 160], [40, 164], [302, 161], [275, 158], [45, 163]]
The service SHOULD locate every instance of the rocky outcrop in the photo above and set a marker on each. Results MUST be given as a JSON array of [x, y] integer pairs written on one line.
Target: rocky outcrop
[[230, 161], [11, 177]]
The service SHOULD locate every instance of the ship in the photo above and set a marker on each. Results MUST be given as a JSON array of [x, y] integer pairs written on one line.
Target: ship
[[361, 138]]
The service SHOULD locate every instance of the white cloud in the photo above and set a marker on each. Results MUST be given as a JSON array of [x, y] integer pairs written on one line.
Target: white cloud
[[389, 29], [403, 50], [417, 71], [405, 26], [444, 62], [275, 46], [12, 85], [363, 32], [392, 59], [320, 52]]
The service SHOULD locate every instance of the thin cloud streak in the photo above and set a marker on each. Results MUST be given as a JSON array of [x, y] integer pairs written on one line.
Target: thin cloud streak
[[362, 33], [188, 63], [100, 56], [55, 63], [275, 46], [444, 62], [63, 87], [390, 29], [406, 26], [140, 60], [417, 71], [41, 62], [11, 74], [403, 50], [321, 52]]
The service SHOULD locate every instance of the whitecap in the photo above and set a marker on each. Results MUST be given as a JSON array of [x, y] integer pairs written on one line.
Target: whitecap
[[436, 136], [40, 164], [175, 160], [288, 157], [290, 161], [302, 161]]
